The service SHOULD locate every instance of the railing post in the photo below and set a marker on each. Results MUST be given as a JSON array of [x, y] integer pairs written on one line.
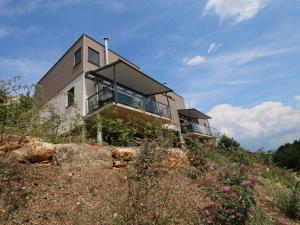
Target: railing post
[[115, 84]]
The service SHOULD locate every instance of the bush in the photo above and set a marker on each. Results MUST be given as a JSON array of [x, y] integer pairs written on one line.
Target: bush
[[293, 205], [233, 201], [228, 143], [288, 156], [196, 156]]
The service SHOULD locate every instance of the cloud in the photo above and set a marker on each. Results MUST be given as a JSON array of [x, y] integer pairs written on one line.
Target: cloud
[[29, 69], [243, 57], [213, 47], [15, 8], [297, 98], [258, 126], [238, 10], [193, 61], [18, 31]]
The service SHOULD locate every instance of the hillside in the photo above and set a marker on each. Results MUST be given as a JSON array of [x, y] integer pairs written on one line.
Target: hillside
[[152, 184]]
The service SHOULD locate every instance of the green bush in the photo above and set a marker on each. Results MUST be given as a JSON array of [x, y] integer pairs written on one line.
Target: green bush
[[288, 156], [293, 205], [196, 155], [228, 143], [235, 199]]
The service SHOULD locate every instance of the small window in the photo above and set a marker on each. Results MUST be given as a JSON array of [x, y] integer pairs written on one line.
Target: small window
[[70, 97], [93, 56], [77, 57]]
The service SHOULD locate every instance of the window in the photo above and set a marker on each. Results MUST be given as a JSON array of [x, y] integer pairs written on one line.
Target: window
[[70, 97], [93, 56], [77, 57]]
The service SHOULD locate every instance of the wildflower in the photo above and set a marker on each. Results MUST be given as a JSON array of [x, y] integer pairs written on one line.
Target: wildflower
[[211, 204], [234, 196], [226, 188], [247, 183], [239, 215]]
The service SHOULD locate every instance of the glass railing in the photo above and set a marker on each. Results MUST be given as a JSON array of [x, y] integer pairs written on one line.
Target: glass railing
[[129, 98], [99, 99], [196, 128]]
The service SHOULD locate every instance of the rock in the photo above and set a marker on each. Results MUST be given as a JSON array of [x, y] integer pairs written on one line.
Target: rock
[[83, 156], [120, 164], [124, 154], [32, 151]]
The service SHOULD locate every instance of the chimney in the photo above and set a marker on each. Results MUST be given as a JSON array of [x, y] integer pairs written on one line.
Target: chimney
[[106, 50]]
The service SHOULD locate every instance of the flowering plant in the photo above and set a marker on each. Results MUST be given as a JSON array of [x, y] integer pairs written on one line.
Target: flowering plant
[[234, 199]]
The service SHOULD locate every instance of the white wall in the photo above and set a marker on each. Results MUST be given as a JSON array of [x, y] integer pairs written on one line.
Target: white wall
[[60, 102]]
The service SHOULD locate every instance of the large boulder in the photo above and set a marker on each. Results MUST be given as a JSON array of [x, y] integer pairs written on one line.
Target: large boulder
[[83, 156], [26, 150], [122, 156]]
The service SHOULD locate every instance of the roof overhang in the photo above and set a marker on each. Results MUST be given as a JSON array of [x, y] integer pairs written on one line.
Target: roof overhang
[[130, 77], [193, 114]]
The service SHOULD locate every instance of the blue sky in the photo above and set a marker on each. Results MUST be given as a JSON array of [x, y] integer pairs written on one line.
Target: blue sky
[[237, 60]]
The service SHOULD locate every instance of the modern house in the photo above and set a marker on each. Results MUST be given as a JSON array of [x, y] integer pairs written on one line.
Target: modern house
[[102, 82]]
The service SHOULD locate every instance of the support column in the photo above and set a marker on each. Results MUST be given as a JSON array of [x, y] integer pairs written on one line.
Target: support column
[[83, 131], [168, 105], [115, 84], [182, 142], [99, 130]]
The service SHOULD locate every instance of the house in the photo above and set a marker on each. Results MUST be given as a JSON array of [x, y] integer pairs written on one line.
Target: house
[[102, 82]]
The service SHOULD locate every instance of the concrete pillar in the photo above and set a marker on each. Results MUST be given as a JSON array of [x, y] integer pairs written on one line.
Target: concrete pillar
[[182, 142], [99, 130], [83, 131]]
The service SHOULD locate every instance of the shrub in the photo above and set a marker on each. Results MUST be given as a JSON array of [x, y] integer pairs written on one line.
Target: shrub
[[228, 143], [293, 205], [288, 156], [235, 198], [196, 156]]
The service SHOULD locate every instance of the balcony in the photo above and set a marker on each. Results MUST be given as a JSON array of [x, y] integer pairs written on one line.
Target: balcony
[[125, 91], [199, 129], [195, 123], [128, 98]]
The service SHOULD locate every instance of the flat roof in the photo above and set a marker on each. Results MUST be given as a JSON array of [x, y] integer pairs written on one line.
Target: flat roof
[[193, 114], [130, 77]]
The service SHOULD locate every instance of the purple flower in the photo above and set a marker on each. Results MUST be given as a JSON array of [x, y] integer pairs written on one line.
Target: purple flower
[[247, 183], [211, 204], [239, 215], [226, 188], [234, 196]]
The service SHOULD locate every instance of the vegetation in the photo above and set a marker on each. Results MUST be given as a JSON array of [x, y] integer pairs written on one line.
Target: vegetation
[[228, 143], [21, 114], [288, 156], [204, 183]]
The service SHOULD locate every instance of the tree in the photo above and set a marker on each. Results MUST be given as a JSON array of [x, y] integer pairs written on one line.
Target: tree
[[228, 142], [288, 156]]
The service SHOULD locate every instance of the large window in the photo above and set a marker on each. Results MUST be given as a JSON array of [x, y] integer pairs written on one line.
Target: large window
[[70, 97], [77, 57], [93, 56]]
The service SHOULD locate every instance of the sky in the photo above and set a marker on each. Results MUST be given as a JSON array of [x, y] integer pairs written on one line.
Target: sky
[[236, 60]]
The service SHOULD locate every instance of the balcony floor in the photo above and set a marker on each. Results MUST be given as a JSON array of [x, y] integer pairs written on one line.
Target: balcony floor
[[122, 111], [198, 135]]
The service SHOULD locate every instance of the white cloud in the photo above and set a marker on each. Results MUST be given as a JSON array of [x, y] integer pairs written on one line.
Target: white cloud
[[239, 10], [297, 97], [258, 126], [15, 8], [213, 47], [243, 57], [193, 61], [29, 69], [18, 31]]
